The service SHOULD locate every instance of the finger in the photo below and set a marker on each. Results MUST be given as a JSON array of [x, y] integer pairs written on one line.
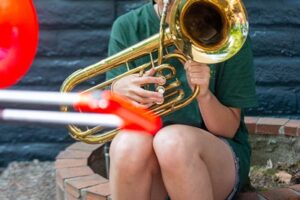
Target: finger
[[148, 94], [150, 72], [149, 80], [199, 75], [145, 96], [200, 81], [150, 100], [198, 68], [136, 98], [144, 106], [148, 105], [139, 105], [192, 64], [187, 64]]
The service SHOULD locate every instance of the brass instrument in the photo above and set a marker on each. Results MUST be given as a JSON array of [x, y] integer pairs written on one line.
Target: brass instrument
[[207, 31]]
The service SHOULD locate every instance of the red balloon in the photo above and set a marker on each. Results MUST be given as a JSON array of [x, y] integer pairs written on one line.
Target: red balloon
[[18, 39]]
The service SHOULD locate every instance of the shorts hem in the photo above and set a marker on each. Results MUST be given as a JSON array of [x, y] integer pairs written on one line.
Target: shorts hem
[[235, 189]]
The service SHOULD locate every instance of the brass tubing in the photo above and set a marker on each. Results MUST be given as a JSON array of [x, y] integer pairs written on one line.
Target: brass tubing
[[224, 37]]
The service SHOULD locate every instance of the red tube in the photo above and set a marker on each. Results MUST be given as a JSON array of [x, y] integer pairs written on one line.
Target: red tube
[[135, 118]]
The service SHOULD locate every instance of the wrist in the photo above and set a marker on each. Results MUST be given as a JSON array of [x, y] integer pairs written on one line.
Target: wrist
[[205, 98]]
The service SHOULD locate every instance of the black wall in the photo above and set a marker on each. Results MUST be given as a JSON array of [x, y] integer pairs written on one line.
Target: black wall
[[75, 33]]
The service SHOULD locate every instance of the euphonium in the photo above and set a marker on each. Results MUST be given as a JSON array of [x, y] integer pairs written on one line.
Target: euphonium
[[207, 31]]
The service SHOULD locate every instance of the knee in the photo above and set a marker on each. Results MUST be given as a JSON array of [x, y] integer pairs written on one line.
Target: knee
[[171, 148], [131, 152]]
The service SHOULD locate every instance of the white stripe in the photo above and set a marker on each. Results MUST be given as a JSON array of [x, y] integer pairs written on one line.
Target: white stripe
[[53, 117], [39, 98]]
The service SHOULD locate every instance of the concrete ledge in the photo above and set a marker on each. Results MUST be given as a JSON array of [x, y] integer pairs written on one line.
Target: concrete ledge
[[80, 168]]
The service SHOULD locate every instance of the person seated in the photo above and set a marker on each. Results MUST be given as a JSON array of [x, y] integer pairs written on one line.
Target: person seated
[[202, 151]]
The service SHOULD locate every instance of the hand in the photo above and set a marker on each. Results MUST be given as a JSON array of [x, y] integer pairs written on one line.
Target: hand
[[198, 74], [131, 87]]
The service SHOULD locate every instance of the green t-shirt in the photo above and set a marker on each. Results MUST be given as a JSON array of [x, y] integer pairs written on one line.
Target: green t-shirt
[[232, 82]]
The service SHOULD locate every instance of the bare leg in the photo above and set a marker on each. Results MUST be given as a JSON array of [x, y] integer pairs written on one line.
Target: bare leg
[[194, 163], [158, 190], [134, 170]]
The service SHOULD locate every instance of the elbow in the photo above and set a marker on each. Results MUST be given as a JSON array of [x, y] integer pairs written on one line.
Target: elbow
[[231, 133], [228, 132], [235, 122], [232, 128]]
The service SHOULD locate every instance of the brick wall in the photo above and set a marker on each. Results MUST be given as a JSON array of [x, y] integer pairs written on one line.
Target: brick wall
[[74, 34]]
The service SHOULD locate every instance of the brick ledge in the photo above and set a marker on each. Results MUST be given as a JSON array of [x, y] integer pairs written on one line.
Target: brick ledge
[[76, 180], [273, 126]]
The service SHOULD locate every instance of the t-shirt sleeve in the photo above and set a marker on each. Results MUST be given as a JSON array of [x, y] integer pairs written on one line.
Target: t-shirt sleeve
[[236, 80], [117, 43]]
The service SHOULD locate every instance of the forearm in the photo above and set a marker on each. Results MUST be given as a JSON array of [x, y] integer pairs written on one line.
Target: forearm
[[219, 119]]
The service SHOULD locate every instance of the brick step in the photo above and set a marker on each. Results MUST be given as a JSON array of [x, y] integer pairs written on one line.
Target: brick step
[[79, 168]]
